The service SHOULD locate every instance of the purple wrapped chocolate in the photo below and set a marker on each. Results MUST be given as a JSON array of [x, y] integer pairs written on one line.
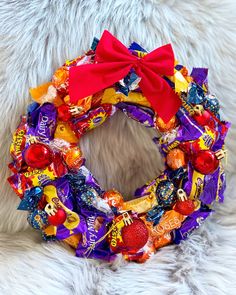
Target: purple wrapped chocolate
[[188, 130], [192, 222], [210, 187], [46, 123], [140, 114], [199, 75], [93, 243]]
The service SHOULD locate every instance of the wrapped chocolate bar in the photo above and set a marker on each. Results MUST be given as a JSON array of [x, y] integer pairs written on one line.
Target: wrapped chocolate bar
[[44, 122], [63, 199], [93, 118], [18, 143], [190, 224], [139, 114], [93, 243]]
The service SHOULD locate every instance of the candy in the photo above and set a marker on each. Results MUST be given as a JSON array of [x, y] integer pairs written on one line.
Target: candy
[[176, 159], [195, 94], [111, 96], [72, 224], [95, 117], [205, 142], [205, 162], [140, 114], [63, 131], [88, 194], [64, 113], [212, 104], [38, 92], [150, 187], [73, 158], [199, 75], [163, 240], [113, 198], [211, 184], [142, 204], [60, 80], [46, 123], [38, 219], [164, 127], [45, 93], [82, 106], [154, 215], [93, 243], [169, 221], [31, 199], [73, 241], [129, 83], [191, 222], [18, 143], [165, 193]]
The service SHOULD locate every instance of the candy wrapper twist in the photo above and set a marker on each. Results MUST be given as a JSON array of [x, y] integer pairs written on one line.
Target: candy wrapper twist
[[63, 199]]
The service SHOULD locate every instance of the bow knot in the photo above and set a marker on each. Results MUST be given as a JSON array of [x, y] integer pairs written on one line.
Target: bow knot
[[113, 61], [137, 63]]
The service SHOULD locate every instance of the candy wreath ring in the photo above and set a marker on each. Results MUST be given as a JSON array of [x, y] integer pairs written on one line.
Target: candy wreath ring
[[63, 199]]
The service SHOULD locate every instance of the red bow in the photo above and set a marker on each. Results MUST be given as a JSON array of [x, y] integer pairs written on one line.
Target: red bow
[[113, 62]]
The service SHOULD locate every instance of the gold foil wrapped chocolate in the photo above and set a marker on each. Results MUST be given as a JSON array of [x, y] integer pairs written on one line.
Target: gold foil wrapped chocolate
[[141, 205]]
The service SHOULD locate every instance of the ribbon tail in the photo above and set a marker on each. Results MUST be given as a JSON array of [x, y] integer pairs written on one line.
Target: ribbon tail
[[159, 93], [88, 79]]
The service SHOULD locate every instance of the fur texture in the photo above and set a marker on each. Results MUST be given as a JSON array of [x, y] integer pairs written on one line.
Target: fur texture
[[37, 36]]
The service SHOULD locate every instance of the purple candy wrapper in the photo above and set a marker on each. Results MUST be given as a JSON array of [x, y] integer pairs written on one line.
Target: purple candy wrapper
[[63, 191], [63, 232], [93, 243], [221, 186], [210, 187], [222, 128], [65, 196], [142, 115], [89, 178], [150, 186], [207, 188], [46, 124], [192, 222], [186, 132], [199, 75]]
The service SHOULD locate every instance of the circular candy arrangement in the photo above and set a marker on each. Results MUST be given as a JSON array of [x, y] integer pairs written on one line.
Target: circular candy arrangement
[[63, 199]]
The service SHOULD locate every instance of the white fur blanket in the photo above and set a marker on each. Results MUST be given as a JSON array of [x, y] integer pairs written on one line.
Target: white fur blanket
[[36, 37]]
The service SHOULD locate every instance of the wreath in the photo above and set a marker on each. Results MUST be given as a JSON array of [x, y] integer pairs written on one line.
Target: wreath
[[63, 199]]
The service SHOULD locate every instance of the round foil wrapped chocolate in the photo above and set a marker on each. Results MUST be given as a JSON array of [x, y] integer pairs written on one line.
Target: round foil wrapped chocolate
[[38, 219], [164, 127], [165, 193], [73, 158], [176, 159], [212, 104]]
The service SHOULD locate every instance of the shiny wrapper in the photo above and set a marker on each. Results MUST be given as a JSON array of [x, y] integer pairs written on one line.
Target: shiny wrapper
[[91, 120], [191, 223], [140, 114]]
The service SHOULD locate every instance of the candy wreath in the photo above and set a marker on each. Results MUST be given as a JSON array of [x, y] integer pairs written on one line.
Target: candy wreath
[[63, 199]]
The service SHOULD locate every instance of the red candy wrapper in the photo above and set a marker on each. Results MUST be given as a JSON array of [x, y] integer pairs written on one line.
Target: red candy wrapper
[[18, 143], [91, 119]]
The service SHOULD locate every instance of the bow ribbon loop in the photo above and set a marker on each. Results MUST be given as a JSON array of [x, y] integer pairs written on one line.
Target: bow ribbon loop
[[113, 61]]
